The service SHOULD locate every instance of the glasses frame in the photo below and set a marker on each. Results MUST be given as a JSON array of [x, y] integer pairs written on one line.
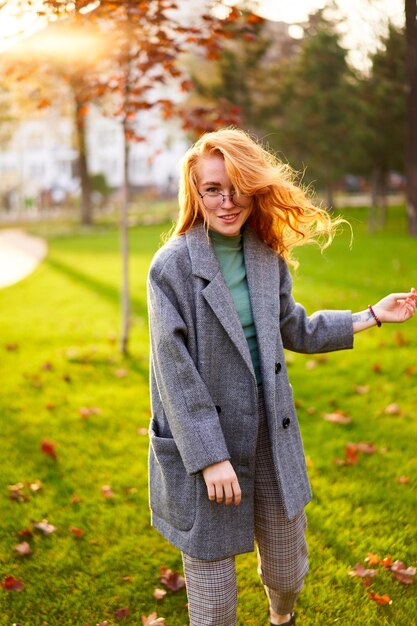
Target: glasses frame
[[224, 196]]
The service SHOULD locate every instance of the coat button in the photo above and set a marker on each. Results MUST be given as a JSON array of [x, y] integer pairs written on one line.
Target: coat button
[[286, 422], [218, 408], [278, 368]]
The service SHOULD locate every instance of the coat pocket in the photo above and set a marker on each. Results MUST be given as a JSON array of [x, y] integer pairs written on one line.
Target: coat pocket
[[172, 490]]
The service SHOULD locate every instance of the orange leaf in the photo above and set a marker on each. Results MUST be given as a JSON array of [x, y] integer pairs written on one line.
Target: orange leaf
[[78, 532], [372, 559], [378, 598], [403, 480], [386, 562]]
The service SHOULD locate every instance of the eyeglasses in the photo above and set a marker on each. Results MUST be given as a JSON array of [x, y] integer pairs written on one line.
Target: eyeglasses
[[215, 199]]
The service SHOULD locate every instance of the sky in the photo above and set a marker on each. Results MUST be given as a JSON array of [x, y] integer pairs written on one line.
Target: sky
[[365, 20]]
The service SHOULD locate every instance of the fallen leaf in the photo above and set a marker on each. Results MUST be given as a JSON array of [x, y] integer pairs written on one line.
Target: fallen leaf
[[366, 448], [11, 584], [122, 613], [23, 549], [152, 620], [403, 480], [11, 346], [410, 370], [337, 417], [47, 366], [16, 493], [25, 532], [311, 410], [121, 373], [173, 580], [127, 579], [392, 409], [403, 574], [377, 368], [36, 486], [142, 432], [362, 571], [372, 559], [311, 364], [86, 411], [362, 389], [351, 454], [44, 527], [75, 499], [107, 492], [158, 594], [48, 447], [50, 406], [386, 562], [378, 598], [400, 339], [78, 532]]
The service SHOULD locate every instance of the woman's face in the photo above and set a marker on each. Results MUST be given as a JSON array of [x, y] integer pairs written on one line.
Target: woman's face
[[226, 217]]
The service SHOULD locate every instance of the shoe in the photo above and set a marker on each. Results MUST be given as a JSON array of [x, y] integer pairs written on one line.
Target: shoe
[[290, 622]]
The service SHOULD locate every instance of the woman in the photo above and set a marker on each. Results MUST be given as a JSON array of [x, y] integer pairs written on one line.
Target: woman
[[224, 430]]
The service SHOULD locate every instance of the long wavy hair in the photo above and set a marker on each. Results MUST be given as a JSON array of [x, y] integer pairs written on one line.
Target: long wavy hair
[[283, 214]]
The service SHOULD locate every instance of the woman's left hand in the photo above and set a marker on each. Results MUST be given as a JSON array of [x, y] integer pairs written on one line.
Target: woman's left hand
[[397, 307]]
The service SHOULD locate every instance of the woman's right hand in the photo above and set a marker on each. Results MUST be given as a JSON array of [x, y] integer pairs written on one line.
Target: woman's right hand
[[222, 483]]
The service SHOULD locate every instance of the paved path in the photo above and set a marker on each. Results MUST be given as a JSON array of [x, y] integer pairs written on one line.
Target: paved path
[[20, 253]]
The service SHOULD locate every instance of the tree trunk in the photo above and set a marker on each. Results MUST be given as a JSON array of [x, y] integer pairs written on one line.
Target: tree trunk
[[124, 246], [86, 206], [411, 114]]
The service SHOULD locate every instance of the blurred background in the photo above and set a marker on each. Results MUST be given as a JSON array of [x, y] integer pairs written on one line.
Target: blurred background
[[95, 96], [99, 99]]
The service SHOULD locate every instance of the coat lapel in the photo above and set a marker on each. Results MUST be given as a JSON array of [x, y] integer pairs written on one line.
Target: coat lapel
[[262, 272], [204, 264]]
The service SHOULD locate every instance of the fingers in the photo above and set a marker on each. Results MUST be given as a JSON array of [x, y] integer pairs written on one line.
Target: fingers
[[222, 483], [228, 493]]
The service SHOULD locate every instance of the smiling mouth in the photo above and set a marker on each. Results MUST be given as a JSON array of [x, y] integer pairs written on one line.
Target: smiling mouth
[[229, 216]]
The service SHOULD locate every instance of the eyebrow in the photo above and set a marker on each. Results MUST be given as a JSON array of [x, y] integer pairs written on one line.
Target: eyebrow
[[211, 182]]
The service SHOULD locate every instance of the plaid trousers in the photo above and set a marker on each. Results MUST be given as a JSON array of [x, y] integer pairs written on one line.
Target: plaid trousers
[[281, 549]]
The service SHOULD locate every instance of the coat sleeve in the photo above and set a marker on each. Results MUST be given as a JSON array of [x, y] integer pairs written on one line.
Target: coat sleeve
[[185, 398], [324, 331]]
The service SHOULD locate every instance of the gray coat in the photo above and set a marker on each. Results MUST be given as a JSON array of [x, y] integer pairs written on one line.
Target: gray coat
[[204, 392]]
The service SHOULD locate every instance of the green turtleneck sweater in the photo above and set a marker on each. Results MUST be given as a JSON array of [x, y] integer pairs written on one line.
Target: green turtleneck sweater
[[229, 253]]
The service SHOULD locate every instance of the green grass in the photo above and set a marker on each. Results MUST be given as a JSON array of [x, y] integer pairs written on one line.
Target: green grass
[[66, 315]]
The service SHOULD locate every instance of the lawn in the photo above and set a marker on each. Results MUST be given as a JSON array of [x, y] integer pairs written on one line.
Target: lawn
[[64, 384]]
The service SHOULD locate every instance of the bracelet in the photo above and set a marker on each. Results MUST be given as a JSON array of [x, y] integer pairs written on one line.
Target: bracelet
[[374, 315]]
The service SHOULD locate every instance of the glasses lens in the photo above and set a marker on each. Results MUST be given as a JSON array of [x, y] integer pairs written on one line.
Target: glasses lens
[[241, 200], [212, 200], [215, 200]]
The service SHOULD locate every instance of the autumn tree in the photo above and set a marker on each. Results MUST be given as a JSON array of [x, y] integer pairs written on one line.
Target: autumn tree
[[411, 115], [147, 39]]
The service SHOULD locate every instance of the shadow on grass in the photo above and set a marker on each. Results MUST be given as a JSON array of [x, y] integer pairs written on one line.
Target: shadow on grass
[[110, 294], [102, 289]]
